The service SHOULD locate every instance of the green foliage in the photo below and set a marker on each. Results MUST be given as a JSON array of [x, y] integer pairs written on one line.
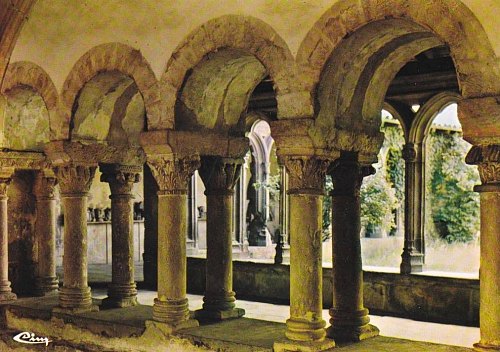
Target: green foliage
[[454, 205], [377, 202], [393, 143]]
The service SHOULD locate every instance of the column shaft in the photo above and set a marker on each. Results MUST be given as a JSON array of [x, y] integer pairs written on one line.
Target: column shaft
[[349, 317], [122, 291], [171, 306], [489, 279], [5, 289], [412, 257], [306, 275], [45, 233], [219, 176], [75, 292], [219, 294]]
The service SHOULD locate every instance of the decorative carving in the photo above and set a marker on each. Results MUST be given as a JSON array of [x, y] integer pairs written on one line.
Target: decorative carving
[[23, 160], [220, 174], [121, 178], [487, 158], [347, 176], [172, 173], [75, 178], [44, 186], [410, 152], [306, 173]]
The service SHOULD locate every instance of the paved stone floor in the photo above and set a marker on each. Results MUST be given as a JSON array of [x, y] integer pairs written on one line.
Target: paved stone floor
[[257, 332], [395, 331]]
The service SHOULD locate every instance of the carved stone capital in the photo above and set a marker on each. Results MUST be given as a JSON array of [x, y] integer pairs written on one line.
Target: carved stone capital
[[410, 153], [347, 176], [220, 174], [487, 158], [172, 172], [74, 179], [121, 178], [44, 186], [306, 174]]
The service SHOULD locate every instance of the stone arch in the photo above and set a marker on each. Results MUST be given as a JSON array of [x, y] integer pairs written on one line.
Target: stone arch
[[449, 20], [398, 115], [231, 32], [425, 115], [31, 95], [12, 19], [28, 74], [113, 57], [351, 91]]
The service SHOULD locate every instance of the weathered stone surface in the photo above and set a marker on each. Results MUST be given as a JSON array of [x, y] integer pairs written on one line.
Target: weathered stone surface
[[479, 119]]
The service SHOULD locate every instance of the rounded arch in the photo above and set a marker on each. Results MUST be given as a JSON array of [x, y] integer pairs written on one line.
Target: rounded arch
[[353, 83], [12, 20], [246, 34], [28, 74], [425, 115], [114, 57], [449, 20], [398, 115]]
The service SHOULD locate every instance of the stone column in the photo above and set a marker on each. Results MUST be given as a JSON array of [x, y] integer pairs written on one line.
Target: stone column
[[74, 182], [488, 160], [150, 255], [46, 281], [6, 293], [413, 257], [305, 327], [349, 318], [122, 291], [172, 174], [284, 216], [219, 176]]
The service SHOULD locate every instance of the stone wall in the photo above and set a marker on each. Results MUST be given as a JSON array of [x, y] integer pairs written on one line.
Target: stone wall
[[420, 297]]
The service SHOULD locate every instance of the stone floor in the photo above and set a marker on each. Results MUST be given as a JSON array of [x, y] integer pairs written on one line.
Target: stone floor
[[247, 334], [262, 325]]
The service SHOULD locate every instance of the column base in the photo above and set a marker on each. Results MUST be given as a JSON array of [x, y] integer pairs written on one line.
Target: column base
[[171, 312], [75, 300], [169, 328], [120, 296], [217, 315], [351, 326], [411, 263], [46, 285], [301, 346], [119, 302], [6, 293], [7, 297], [352, 333], [305, 330], [484, 347]]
